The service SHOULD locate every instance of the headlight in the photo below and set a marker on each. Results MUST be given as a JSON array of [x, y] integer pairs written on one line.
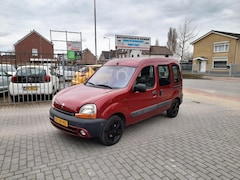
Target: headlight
[[88, 111]]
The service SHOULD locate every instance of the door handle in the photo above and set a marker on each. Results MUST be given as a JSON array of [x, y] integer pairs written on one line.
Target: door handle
[[160, 92]]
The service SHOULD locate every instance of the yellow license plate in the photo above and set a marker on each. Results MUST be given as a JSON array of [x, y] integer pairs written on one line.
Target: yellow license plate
[[61, 121], [31, 88]]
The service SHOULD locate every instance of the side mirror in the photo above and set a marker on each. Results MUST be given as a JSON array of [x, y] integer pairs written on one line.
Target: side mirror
[[140, 87]]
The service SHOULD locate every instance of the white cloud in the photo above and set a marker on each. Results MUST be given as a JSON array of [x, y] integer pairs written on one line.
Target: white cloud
[[135, 17]]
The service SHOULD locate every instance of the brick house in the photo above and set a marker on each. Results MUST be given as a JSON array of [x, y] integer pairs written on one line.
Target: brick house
[[216, 51], [33, 46], [87, 57], [158, 51]]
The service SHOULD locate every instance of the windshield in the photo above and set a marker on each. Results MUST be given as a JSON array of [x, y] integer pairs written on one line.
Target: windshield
[[83, 69], [112, 77], [68, 68], [31, 71]]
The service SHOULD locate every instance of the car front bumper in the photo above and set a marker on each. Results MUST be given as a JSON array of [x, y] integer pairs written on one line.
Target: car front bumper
[[87, 128]]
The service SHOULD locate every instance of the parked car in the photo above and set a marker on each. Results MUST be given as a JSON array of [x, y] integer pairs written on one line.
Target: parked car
[[33, 80], [66, 73], [84, 73], [122, 92], [4, 82], [8, 68]]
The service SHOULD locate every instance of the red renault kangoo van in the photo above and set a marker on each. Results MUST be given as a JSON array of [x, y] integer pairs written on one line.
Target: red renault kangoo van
[[122, 92]]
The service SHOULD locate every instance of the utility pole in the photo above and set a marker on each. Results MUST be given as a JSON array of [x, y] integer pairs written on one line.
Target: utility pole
[[95, 31]]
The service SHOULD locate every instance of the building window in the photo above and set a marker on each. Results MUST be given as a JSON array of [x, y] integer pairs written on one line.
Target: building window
[[221, 47], [220, 63], [34, 52]]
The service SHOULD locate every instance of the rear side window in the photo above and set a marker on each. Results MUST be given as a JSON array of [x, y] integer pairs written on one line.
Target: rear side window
[[176, 73], [164, 75], [146, 76]]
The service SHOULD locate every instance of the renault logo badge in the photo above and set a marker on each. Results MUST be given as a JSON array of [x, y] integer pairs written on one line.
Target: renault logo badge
[[62, 105]]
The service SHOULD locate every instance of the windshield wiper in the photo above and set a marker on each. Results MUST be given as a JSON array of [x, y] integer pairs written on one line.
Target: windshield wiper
[[90, 83], [103, 85]]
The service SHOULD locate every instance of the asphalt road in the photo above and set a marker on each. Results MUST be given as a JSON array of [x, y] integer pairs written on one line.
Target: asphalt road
[[218, 86]]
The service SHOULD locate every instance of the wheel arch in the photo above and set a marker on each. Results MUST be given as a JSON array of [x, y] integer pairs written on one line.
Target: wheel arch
[[121, 115]]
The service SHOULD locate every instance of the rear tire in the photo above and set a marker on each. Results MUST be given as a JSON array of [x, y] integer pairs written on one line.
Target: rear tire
[[173, 110], [112, 131]]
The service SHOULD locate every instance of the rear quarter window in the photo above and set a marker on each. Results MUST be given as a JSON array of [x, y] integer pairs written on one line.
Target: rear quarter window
[[176, 73]]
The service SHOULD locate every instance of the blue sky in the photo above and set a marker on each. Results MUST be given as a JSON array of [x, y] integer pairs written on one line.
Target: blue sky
[[124, 17]]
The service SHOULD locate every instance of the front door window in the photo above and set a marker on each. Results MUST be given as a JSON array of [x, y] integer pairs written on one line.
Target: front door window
[[147, 77]]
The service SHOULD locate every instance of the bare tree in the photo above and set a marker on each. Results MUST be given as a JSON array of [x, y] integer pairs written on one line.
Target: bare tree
[[186, 33], [172, 40]]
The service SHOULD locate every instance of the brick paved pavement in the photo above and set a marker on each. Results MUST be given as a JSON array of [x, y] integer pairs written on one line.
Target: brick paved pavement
[[202, 142]]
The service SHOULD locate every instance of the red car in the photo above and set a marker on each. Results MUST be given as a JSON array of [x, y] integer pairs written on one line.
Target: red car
[[120, 93]]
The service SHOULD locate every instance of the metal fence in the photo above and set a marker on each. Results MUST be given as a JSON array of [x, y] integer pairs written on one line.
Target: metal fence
[[38, 80], [64, 71], [232, 70]]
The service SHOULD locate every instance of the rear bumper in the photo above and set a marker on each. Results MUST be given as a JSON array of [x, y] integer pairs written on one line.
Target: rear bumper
[[92, 127], [181, 98], [16, 89]]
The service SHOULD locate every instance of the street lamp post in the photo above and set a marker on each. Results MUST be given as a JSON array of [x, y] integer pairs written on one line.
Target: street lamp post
[[95, 30], [108, 47]]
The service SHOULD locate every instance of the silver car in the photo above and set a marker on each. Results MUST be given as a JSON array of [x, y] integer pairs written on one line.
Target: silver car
[[4, 82], [8, 68], [66, 73]]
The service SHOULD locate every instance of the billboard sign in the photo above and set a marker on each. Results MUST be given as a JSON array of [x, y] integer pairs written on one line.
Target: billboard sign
[[132, 42], [74, 46], [74, 50]]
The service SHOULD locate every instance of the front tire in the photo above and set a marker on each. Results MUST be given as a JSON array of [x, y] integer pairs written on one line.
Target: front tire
[[173, 110], [112, 131]]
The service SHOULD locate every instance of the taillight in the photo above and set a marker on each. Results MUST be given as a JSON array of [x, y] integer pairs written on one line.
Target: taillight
[[14, 79], [47, 78]]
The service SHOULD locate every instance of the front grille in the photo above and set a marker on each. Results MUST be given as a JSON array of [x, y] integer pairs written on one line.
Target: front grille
[[65, 112]]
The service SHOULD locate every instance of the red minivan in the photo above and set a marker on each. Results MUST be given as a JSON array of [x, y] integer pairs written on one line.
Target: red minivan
[[122, 92]]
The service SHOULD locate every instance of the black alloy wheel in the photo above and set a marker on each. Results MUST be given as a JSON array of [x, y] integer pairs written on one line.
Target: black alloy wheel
[[173, 110], [112, 131]]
